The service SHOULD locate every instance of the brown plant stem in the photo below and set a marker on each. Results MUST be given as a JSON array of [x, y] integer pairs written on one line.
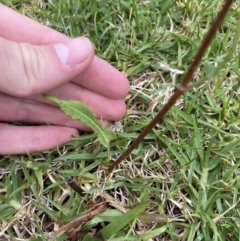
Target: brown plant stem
[[182, 88], [84, 218], [74, 186]]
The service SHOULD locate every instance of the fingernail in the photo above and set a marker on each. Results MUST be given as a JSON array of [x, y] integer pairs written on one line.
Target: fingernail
[[74, 51]]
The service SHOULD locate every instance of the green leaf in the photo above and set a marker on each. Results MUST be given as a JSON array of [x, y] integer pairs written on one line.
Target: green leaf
[[120, 222], [152, 234], [78, 111]]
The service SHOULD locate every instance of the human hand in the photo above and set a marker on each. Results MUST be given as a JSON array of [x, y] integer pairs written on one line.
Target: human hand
[[36, 59]]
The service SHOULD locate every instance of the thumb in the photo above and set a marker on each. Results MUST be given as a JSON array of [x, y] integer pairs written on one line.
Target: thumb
[[29, 69]]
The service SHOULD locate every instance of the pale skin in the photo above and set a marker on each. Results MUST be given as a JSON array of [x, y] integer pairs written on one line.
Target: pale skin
[[29, 70]]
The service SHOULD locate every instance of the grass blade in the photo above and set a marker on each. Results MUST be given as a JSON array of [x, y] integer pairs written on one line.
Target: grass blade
[[119, 223], [153, 233]]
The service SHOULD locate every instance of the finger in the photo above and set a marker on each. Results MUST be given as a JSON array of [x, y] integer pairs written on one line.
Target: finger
[[30, 111], [100, 77], [22, 139], [29, 70], [103, 107], [24, 29]]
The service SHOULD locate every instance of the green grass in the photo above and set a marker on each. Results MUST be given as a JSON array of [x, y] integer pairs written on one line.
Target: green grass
[[188, 166]]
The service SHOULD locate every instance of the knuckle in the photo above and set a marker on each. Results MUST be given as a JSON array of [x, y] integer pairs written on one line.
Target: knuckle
[[33, 69], [35, 139], [22, 113]]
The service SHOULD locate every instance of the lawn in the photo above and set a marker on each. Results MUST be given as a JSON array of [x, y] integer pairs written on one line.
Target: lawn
[[181, 182]]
